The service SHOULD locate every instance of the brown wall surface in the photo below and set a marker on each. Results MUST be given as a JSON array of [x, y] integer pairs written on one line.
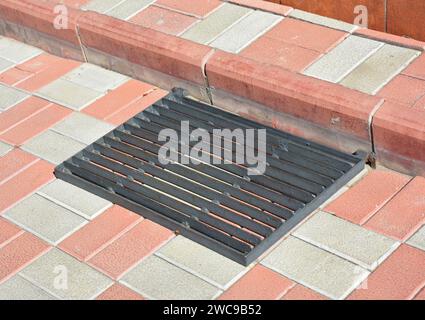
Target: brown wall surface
[[400, 17]]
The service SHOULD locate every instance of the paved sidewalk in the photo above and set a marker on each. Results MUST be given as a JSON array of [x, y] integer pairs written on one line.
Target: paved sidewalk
[[367, 243]]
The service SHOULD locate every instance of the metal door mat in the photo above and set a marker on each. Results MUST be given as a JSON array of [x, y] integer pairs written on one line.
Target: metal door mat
[[217, 205]]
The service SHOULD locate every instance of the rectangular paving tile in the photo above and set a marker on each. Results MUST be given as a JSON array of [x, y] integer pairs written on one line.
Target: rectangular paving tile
[[404, 214], [374, 73], [21, 112], [399, 277], [10, 97], [96, 78], [156, 278], [300, 292], [260, 283], [324, 21], [340, 61], [82, 283], [163, 20], [119, 292], [418, 239], [369, 195], [14, 162], [101, 6], [201, 261], [128, 250], [25, 183], [8, 231], [53, 147], [18, 288], [75, 199], [97, 234], [44, 218], [33, 125], [217, 22], [197, 8], [245, 31], [117, 99], [83, 128], [16, 51], [5, 64], [129, 8], [69, 94], [18, 253], [347, 240], [315, 268], [4, 148]]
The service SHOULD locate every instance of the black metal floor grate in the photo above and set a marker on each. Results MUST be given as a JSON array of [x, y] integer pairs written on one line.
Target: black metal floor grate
[[217, 205]]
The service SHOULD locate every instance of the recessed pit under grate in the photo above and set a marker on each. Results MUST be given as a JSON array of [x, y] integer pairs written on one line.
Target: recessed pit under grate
[[217, 205]]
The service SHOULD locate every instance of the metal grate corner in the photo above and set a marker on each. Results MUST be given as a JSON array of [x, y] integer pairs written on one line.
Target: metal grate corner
[[217, 205]]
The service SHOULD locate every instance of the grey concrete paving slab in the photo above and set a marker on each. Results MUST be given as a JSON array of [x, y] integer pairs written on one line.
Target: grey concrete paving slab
[[10, 97], [6, 64], [53, 147], [82, 128], [201, 261], [418, 239], [156, 278], [129, 8], [16, 51], [343, 59], [96, 78], [245, 31], [324, 21], [374, 73], [315, 268], [352, 242], [18, 288], [45, 218], [69, 94], [4, 148], [216, 23], [66, 277], [75, 199]]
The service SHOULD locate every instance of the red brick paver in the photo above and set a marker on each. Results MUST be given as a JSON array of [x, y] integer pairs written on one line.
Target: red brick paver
[[300, 292], [416, 68], [401, 276], [404, 214], [420, 295], [14, 162], [18, 253], [33, 125], [306, 35], [7, 231], [21, 112], [133, 246], [404, 89], [198, 8], [45, 68], [119, 292], [260, 283], [14, 76], [118, 99], [94, 236], [369, 195], [285, 55], [25, 183], [129, 111], [163, 20]]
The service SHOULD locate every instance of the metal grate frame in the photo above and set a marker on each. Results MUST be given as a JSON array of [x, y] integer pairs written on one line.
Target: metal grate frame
[[218, 206]]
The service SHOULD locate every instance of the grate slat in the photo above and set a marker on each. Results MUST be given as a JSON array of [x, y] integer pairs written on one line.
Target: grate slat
[[216, 204]]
